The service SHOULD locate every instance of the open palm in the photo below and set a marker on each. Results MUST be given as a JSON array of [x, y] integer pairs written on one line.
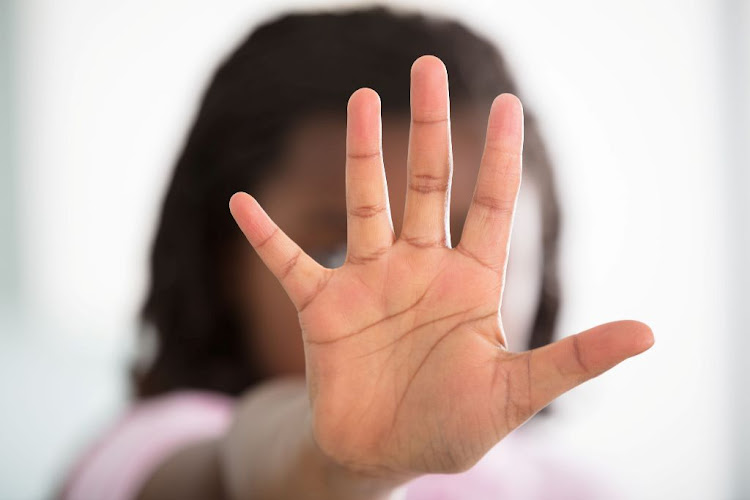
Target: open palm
[[408, 370]]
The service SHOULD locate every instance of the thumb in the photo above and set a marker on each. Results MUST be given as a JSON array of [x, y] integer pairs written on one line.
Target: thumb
[[556, 368]]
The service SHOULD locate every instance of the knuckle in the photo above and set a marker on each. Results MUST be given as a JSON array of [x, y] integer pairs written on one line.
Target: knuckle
[[289, 266], [366, 258], [367, 211], [495, 206], [427, 183]]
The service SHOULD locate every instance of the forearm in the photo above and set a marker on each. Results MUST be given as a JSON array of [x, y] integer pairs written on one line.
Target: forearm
[[270, 453]]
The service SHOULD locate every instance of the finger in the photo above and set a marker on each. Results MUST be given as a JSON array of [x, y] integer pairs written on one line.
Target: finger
[[369, 225], [299, 274], [556, 368], [486, 234], [429, 163]]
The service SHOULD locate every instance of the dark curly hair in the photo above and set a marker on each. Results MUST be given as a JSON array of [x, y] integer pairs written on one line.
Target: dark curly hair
[[293, 66]]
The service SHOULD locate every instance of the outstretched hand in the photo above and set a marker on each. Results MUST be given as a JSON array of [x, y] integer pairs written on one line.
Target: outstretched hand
[[408, 371]]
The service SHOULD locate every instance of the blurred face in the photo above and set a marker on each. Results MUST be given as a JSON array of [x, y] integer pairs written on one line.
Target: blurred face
[[307, 200]]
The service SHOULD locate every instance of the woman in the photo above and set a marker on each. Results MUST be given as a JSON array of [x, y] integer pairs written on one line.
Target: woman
[[391, 362]]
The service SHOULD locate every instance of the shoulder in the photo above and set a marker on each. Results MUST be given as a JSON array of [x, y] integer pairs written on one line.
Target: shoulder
[[119, 462]]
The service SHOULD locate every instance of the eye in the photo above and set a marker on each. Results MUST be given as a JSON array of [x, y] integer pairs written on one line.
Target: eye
[[331, 257]]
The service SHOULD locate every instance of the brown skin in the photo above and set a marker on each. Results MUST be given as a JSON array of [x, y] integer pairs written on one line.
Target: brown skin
[[407, 367], [307, 201]]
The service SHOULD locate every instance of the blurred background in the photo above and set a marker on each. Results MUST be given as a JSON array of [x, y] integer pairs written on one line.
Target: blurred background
[[646, 109]]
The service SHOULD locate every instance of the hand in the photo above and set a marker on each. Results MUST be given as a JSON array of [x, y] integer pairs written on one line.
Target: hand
[[407, 366]]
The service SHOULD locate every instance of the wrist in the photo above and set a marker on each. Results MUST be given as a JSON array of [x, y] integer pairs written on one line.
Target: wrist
[[350, 482], [353, 481], [270, 452]]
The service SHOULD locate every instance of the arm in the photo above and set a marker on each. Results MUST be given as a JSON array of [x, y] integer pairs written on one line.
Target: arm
[[406, 360], [265, 449], [268, 453], [407, 367]]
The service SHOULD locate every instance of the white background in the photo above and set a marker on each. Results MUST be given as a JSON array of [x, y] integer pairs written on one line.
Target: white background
[[635, 99]]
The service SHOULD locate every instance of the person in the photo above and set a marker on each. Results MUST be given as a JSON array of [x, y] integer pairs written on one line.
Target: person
[[358, 352]]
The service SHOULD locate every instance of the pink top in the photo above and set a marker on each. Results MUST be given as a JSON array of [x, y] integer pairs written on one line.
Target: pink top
[[119, 463]]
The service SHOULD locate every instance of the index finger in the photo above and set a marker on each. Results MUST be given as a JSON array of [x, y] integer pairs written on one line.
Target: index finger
[[486, 234]]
